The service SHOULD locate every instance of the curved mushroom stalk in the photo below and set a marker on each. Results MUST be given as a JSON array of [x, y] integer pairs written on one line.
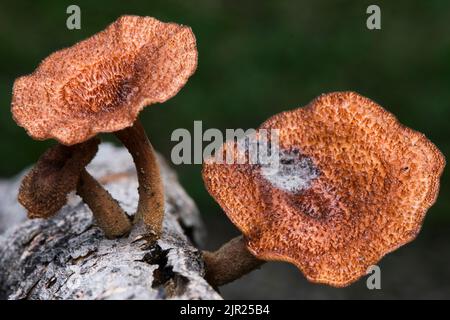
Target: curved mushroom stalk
[[60, 170], [150, 208], [230, 262], [108, 214]]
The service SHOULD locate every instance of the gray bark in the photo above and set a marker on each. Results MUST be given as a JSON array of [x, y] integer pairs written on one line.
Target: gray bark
[[67, 256]]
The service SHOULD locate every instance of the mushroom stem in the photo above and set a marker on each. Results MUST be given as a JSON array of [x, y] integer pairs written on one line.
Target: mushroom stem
[[230, 262], [110, 217], [150, 208]]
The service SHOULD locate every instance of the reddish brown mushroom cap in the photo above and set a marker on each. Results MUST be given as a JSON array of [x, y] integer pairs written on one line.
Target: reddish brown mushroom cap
[[102, 83], [359, 186]]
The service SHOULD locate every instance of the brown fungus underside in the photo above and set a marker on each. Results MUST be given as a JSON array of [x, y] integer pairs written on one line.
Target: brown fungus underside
[[102, 83], [44, 189], [364, 193]]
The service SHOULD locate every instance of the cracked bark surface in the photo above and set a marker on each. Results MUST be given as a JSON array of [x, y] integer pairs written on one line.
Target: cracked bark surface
[[68, 257]]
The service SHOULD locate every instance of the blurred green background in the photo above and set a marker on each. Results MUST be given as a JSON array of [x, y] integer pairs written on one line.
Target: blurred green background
[[257, 58]]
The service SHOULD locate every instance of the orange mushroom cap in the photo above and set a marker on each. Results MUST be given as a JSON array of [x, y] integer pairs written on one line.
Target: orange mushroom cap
[[353, 184], [102, 83]]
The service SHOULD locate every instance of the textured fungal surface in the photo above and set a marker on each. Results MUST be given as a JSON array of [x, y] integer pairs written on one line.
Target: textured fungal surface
[[102, 83], [44, 189], [355, 186]]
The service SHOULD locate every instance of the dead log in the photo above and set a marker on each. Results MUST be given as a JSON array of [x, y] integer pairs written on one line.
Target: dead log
[[68, 257]]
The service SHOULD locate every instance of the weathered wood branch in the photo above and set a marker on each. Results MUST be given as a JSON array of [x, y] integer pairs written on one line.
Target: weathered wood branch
[[68, 257]]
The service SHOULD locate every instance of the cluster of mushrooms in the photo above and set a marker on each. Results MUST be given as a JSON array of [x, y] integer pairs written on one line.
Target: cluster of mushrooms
[[353, 184]]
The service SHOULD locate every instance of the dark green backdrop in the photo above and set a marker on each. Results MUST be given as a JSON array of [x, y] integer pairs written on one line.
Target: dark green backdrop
[[257, 58]]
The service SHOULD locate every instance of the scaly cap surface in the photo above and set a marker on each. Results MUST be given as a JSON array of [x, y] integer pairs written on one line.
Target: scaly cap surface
[[353, 185], [102, 83]]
